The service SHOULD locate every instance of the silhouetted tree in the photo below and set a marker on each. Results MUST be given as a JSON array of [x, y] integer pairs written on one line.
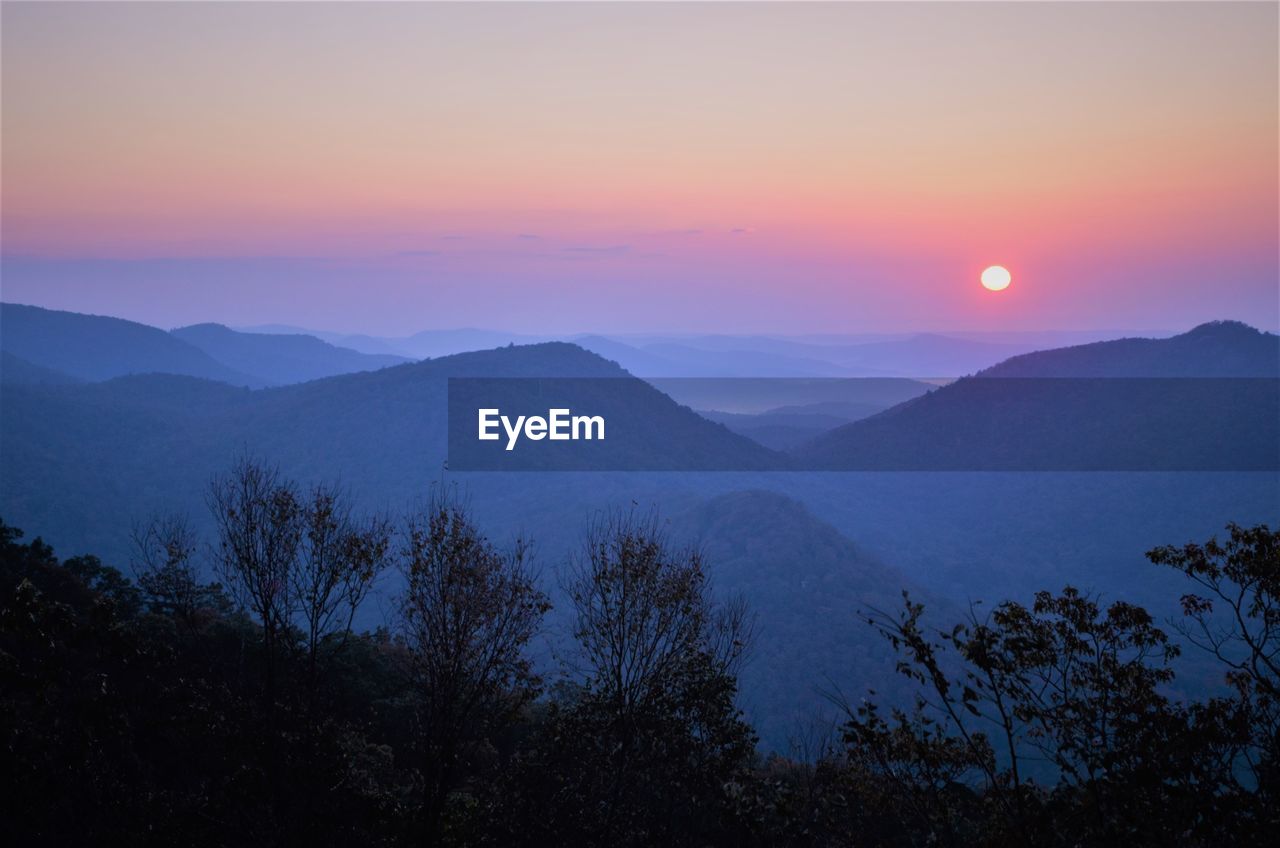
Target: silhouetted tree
[[1052, 724], [468, 613], [643, 608], [340, 557], [164, 551], [650, 747], [1045, 725], [260, 522], [1234, 615]]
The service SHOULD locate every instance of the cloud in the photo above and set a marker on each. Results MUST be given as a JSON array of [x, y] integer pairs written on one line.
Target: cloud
[[417, 253], [611, 250]]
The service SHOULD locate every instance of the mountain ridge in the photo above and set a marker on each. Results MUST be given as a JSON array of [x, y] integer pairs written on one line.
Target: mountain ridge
[[1206, 399], [280, 358], [99, 347]]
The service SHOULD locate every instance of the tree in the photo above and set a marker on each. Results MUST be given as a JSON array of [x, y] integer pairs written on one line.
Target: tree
[[1058, 710], [340, 557], [260, 521], [467, 615], [643, 608], [164, 550], [1234, 615], [650, 747]]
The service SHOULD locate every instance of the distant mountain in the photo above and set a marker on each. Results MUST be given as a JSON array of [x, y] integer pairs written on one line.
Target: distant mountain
[[432, 343], [845, 410], [94, 347], [422, 345], [787, 427], [780, 431], [280, 359], [639, 362], [144, 442], [928, 355], [80, 462], [766, 394], [691, 361], [1216, 349], [1132, 404], [922, 355], [806, 583], [353, 341], [15, 369]]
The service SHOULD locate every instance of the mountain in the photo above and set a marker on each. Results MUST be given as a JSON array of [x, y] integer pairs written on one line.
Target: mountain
[[94, 347], [422, 345], [922, 355], [755, 395], [670, 359], [15, 369], [845, 411], [280, 359], [352, 341], [430, 343], [77, 460], [780, 431], [786, 427], [79, 463], [927, 355], [1204, 400], [639, 362], [690, 361], [1215, 349], [806, 584]]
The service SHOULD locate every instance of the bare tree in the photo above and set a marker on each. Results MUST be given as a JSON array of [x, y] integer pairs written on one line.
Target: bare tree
[[340, 557], [468, 613], [259, 518], [660, 653], [644, 607], [1234, 615], [163, 551]]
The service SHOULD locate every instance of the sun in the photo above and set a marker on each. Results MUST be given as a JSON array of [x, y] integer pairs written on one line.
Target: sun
[[996, 278]]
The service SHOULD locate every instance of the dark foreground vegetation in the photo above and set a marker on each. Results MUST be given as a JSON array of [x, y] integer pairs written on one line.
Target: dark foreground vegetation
[[165, 710]]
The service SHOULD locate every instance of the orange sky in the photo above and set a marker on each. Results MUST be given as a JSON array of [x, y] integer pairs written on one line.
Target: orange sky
[[768, 160]]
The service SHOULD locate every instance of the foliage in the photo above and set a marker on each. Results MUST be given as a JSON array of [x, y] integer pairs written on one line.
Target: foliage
[[148, 714], [468, 613], [1050, 724], [647, 746]]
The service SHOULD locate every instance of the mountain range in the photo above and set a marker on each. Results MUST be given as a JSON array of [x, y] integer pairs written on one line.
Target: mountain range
[[1207, 400], [916, 355], [281, 359], [1128, 403], [94, 348], [92, 439]]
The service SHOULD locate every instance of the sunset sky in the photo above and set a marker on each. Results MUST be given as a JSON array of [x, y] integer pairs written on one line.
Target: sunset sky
[[722, 167]]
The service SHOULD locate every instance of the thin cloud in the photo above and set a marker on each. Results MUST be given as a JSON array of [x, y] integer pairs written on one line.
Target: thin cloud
[[611, 250]]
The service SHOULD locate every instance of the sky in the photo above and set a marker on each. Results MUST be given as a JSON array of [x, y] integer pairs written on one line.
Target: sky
[[658, 167]]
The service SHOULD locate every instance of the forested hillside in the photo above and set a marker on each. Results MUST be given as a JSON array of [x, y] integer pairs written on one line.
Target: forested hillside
[[172, 709]]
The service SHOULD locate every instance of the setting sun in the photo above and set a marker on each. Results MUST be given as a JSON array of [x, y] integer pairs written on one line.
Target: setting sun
[[996, 278]]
